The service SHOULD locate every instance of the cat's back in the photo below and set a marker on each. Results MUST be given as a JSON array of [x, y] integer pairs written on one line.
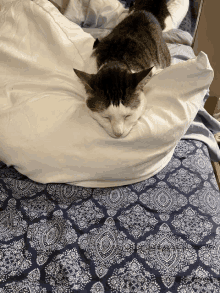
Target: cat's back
[[138, 21], [138, 26], [138, 39]]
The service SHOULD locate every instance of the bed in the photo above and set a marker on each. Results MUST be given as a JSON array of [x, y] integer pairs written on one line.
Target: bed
[[161, 234]]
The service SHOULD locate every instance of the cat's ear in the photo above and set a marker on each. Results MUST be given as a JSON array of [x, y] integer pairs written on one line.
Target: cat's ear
[[139, 77], [84, 77], [96, 43]]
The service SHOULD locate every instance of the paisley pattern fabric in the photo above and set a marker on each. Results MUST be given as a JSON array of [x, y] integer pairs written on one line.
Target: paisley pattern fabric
[[158, 235]]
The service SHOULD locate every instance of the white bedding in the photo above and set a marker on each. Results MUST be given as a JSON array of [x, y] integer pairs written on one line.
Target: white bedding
[[45, 130]]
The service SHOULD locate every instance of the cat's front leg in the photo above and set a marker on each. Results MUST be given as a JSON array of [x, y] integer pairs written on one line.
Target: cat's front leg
[[178, 10]]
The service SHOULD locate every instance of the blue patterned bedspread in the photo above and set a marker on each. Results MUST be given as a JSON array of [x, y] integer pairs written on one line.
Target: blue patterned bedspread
[[159, 235]]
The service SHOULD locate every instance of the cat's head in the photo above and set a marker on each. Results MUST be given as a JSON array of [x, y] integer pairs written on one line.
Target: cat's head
[[115, 97]]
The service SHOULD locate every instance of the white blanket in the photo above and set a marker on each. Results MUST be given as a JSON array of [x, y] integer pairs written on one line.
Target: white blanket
[[46, 132]]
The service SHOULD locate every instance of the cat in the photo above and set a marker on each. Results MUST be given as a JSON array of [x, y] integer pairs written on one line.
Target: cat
[[126, 59]]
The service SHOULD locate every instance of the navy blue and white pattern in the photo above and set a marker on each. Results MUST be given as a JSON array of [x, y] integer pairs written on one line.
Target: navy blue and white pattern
[[161, 235]]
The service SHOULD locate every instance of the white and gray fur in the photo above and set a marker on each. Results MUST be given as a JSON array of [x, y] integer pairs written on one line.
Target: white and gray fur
[[126, 59]]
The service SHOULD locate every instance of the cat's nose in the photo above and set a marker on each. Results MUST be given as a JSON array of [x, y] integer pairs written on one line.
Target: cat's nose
[[118, 134]]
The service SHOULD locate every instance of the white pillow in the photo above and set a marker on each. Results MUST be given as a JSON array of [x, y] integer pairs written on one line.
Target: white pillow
[[46, 132]]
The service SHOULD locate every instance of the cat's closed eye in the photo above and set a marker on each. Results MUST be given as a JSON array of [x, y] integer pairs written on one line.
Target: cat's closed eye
[[125, 117]]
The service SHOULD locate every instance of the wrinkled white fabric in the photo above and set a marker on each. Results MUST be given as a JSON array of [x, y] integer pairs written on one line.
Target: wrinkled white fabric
[[102, 14], [46, 132]]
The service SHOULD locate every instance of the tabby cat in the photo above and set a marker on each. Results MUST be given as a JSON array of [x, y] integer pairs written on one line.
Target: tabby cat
[[126, 59]]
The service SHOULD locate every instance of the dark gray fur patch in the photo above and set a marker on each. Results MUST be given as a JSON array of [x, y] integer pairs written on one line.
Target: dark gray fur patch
[[135, 44]]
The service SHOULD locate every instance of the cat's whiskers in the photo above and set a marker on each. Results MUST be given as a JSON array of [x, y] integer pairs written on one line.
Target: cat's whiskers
[[102, 66]]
